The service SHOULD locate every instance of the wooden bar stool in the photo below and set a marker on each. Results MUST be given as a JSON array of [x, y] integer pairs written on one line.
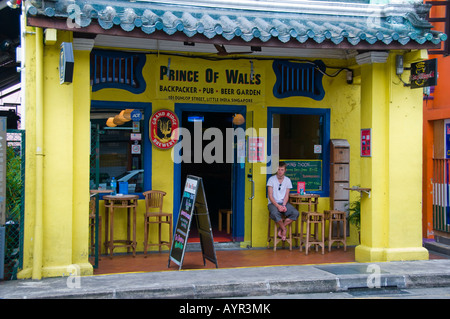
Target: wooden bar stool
[[92, 227], [112, 205], [227, 212], [338, 217], [154, 200], [275, 237], [316, 219]]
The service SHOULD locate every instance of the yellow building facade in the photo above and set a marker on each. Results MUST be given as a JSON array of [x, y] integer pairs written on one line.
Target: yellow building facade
[[58, 147]]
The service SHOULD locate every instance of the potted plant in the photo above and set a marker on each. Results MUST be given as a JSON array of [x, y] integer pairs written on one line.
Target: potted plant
[[354, 217]]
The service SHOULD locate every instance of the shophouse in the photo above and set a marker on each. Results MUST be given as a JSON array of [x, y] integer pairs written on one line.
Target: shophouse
[[294, 76], [436, 142]]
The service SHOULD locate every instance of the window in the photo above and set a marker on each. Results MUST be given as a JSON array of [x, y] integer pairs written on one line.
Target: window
[[120, 70], [301, 136], [299, 79], [303, 143], [114, 152]]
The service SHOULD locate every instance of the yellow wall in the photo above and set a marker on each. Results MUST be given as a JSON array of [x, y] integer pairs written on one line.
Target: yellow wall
[[56, 236], [376, 100], [56, 206], [341, 98]]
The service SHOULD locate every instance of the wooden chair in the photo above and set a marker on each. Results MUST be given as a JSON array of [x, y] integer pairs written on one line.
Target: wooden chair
[[92, 227], [276, 238], [154, 200], [338, 217]]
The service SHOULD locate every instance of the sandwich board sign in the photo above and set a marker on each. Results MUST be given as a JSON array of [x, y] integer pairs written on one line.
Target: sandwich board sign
[[193, 203]]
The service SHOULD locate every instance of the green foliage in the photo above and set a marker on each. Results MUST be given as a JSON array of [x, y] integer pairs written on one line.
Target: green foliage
[[14, 194], [355, 213], [14, 185]]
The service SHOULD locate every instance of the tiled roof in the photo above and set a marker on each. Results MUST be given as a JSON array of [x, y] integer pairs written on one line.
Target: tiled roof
[[289, 20]]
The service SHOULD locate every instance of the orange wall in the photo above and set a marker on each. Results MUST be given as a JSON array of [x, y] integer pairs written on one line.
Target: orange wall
[[434, 109]]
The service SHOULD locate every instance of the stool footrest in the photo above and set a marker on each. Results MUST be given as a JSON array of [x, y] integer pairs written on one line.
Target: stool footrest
[[277, 239]]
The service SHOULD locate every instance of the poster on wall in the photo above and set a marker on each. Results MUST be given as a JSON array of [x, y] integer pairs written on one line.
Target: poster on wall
[[256, 152], [447, 138], [366, 142]]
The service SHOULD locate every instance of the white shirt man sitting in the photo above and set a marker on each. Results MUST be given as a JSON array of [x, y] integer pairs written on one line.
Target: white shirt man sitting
[[278, 187]]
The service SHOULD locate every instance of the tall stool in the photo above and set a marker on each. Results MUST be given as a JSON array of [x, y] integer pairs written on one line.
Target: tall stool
[[227, 212], [154, 200], [338, 217], [275, 237], [92, 226], [316, 219], [112, 203]]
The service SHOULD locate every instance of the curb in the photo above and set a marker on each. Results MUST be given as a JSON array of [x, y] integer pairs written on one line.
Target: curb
[[236, 282], [256, 289]]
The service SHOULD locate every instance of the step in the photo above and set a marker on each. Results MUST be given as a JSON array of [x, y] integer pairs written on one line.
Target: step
[[442, 240], [193, 247], [438, 247]]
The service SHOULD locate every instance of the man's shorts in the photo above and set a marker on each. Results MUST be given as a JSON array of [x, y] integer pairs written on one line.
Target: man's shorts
[[291, 212]]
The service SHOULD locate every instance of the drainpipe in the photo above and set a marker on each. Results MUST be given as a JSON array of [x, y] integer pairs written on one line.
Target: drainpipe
[[38, 231]]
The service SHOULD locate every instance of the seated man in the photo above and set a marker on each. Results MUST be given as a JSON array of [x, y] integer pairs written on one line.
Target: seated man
[[278, 187]]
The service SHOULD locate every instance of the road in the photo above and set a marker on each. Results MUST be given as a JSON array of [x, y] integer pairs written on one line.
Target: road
[[381, 293]]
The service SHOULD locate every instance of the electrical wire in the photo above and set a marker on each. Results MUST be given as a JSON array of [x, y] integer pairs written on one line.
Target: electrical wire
[[212, 58]]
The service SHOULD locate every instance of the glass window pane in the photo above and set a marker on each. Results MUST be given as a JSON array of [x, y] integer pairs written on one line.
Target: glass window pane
[[118, 156], [299, 135]]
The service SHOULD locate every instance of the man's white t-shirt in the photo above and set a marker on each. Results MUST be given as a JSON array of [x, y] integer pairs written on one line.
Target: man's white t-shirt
[[279, 190]]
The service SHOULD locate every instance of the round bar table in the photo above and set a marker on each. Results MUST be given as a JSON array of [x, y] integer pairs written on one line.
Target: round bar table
[[306, 199], [112, 203]]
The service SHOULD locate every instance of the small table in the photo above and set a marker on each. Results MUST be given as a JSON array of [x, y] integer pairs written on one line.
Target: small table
[[112, 203], [305, 199]]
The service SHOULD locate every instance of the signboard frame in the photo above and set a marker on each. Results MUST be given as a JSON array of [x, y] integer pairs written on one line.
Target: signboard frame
[[423, 74], [193, 203]]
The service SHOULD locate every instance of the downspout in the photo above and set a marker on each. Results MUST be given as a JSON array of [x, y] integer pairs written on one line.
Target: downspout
[[38, 231]]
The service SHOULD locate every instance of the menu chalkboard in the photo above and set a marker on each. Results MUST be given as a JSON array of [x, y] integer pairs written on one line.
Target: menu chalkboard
[[193, 203], [308, 171]]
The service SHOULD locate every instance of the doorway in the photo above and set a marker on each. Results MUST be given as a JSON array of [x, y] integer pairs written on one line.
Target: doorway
[[216, 174], [235, 183]]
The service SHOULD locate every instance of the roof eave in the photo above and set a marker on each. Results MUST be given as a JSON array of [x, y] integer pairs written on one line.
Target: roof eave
[[94, 28]]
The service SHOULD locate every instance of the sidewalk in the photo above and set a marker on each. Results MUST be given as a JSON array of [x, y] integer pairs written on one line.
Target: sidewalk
[[236, 282]]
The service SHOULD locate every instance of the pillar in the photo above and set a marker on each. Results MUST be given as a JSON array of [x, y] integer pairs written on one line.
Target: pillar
[[58, 141], [81, 153], [58, 162], [391, 223]]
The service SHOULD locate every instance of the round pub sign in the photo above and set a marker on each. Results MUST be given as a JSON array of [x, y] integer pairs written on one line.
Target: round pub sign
[[163, 125]]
